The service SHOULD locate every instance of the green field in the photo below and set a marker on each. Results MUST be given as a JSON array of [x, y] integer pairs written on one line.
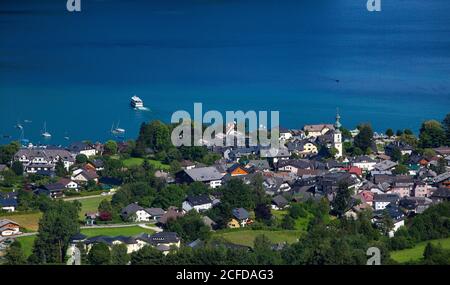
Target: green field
[[135, 161], [247, 237], [27, 244], [122, 231], [29, 221], [91, 204], [416, 253], [301, 224]]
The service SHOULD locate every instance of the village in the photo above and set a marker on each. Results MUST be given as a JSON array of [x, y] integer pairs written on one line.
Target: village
[[135, 195]]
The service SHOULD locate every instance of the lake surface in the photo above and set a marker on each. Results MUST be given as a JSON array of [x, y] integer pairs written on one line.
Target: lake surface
[[77, 71]]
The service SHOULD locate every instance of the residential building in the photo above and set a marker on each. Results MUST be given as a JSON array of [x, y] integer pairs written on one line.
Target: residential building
[[199, 203], [43, 159], [242, 216], [82, 148], [279, 202], [208, 175], [381, 201], [135, 213], [9, 228]]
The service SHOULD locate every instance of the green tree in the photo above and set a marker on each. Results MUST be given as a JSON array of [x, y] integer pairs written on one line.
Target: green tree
[[17, 168], [7, 152], [364, 139], [111, 147], [389, 132], [396, 154], [263, 213], [57, 225], [343, 200], [60, 169], [446, 125], [189, 227], [81, 158], [14, 254], [119, 255], [401, 170], [172, 195], [147, 256], [105, 206], [263, 251], [432, 134], [99, 254], [387, 223], [288, 223], [154, 135]]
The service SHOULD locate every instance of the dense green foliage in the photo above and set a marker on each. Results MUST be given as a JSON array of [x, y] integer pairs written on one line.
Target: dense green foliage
[[57, 225]]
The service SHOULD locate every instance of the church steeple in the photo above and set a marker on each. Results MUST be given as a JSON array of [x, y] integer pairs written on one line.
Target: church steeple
[[338, 124]]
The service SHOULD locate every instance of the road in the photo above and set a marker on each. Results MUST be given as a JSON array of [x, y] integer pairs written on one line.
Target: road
[[144, 226], [85, 197]]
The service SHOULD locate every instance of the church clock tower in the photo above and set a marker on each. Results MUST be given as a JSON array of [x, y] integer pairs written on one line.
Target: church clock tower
[[337, 136]]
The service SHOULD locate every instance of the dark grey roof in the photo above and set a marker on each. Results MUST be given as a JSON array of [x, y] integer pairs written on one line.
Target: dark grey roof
[[441, 193], [280, 201], [298, 163], [385, 165], [164, 237], [392, 198], [240, 213], [130, 210], [2, 167], [155, 211], [54, 187], [259, 164], [442, 177], [199, 200], [204, 174], [79, 146]]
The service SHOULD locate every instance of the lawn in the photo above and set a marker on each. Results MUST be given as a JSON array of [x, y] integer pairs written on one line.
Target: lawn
[[247, 237], [91, 204], [135, 161], [121, 231], [416, 253], [27, 244], [301, 224], [29, 221]]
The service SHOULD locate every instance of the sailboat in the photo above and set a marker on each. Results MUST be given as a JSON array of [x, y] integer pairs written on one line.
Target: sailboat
[[19, 125], [117, 130], [46, 134]]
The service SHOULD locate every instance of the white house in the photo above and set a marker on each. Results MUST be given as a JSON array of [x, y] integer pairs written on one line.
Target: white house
[[68, 184], [9, 228], [136, 213], [380, 201], [364, 162], [208, 175], [83, 148], [317, 130], [198, 203]]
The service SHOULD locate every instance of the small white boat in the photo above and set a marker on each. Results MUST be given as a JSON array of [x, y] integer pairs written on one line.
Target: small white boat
[[116, 130], [137, 102], [46, 134]]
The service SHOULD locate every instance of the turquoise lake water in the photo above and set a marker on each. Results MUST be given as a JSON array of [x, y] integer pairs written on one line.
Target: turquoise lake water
[[77, 72]]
